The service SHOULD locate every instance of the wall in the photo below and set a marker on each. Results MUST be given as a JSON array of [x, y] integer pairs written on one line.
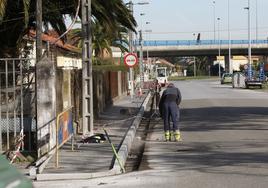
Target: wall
[[108, 86]]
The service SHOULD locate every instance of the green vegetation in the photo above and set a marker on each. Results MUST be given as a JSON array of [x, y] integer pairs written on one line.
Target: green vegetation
[[176, 78], [109, 18]]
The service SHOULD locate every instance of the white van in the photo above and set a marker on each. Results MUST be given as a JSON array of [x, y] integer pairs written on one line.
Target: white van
[[162, 76]]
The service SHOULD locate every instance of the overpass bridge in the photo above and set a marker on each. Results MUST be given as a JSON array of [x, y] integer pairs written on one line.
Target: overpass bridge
[[176, 48]]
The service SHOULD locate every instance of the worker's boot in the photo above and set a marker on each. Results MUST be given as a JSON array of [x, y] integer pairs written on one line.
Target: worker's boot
[[167, 136], [177, 136]]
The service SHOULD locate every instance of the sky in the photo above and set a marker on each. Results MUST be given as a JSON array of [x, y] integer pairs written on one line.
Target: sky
[[184, 19]]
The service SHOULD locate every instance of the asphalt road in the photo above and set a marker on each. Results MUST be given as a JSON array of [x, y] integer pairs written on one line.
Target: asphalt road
[[225, 143]]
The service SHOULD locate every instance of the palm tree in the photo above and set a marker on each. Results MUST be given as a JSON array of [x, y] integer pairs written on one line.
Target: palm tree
[[17, 17]]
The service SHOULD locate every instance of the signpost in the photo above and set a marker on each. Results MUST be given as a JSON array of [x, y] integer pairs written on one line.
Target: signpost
[[130, 61]]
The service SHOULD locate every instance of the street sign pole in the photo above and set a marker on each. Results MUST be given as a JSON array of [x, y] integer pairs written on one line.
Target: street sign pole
[[131, 82], [130, 61], [131, 73]]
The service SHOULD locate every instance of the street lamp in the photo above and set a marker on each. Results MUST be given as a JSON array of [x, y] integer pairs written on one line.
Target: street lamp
[[141, 56], [249, 43], [229, 41], [214, 21], [257, 31], [219, 43], [148, 31]]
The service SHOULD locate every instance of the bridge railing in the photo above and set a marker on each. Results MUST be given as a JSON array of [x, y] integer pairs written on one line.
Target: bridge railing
[[195, 42]]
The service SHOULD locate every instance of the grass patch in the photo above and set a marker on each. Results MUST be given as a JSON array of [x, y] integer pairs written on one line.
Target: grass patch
[[175, 78]]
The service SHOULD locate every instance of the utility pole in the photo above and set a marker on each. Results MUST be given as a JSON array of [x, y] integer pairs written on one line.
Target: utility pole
[[229, 41], [214, 21], [257, 31], [87, 99], [249, 43], [141, 61], [39, 22]]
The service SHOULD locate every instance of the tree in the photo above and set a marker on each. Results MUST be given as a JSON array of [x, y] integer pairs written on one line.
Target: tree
[[101, 40], [17, 17]]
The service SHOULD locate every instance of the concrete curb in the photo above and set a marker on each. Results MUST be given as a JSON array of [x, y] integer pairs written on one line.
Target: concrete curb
[[122, 153], [126, 145]]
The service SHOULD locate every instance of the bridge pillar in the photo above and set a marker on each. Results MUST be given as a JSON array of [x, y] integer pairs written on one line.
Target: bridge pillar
[[226, 63], [211, 60]]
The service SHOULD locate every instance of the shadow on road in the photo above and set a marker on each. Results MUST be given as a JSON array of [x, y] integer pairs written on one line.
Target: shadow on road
[[225, 118]]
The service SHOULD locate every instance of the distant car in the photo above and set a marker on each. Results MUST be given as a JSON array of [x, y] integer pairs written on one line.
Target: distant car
[[226, 78]]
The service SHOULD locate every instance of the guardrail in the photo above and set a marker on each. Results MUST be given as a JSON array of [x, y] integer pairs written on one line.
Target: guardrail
[[195, 42]]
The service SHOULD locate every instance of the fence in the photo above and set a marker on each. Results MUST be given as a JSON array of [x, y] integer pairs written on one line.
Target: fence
[[200, 42], [17, 102]]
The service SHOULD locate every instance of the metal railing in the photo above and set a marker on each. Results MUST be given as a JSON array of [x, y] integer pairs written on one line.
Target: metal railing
[[17, 104], [195, 42]]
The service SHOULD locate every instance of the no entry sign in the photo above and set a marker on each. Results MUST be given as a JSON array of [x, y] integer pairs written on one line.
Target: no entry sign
[[130, 60]]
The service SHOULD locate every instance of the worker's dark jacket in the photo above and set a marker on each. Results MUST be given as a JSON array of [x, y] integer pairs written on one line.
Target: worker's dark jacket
[[171, 94]]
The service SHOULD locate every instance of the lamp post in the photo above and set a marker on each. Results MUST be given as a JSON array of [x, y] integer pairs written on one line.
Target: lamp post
[[141, 57], [257, 31], [147, 31], [219, 43], [194, 59], [214, 20], [249, 43], [229, 41], [147, 50]]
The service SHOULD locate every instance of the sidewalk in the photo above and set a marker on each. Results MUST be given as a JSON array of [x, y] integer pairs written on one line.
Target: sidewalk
[[90, 160]]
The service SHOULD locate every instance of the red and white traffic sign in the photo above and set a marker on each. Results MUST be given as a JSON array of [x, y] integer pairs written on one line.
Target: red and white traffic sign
[[130, 59]]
